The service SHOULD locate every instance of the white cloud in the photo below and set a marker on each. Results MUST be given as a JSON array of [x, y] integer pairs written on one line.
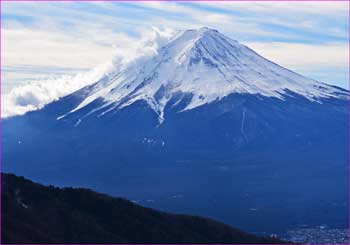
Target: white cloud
[[36, 94], [34, 52], [299, 55], [323, 8], [308, 16], [37, 47]]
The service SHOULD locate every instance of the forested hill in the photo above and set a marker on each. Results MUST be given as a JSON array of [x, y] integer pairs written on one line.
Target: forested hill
[[33, 213]]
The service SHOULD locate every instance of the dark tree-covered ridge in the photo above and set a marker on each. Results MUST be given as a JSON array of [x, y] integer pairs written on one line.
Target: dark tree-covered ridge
[[33, 213]]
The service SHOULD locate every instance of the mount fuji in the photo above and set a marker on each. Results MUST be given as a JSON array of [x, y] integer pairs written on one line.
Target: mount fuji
[[206, 66], [198, 124]]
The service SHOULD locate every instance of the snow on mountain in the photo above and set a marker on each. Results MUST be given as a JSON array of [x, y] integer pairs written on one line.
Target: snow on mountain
[[203, 63]]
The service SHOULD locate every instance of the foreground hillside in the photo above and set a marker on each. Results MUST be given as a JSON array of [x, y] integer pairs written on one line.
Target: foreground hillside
[[33, 213]]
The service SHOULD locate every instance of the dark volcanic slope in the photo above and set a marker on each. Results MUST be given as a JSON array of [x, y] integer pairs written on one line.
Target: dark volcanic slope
[[33, 213]]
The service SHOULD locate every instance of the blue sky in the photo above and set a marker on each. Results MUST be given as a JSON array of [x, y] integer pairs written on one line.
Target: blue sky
[[43, 40]]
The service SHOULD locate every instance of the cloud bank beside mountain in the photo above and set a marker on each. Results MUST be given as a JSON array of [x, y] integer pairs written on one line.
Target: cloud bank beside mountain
[[35, 94]]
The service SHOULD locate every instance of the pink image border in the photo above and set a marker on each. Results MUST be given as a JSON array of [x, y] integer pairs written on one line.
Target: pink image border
[[1, 63]]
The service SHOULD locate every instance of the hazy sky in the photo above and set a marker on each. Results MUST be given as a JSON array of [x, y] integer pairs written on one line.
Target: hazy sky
[[43, 39]]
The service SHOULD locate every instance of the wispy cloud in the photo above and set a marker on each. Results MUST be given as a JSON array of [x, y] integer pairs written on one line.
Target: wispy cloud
[[300, 55], [35, 94]]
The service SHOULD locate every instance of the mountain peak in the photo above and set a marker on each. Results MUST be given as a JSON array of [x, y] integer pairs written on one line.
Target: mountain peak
[[204, 64], [203, 30]]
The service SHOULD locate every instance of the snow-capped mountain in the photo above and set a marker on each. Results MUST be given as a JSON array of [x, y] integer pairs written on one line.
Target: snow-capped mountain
[[202, 63], [203, 118]]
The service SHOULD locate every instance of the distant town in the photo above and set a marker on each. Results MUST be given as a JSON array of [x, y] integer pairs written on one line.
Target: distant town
[[319, 234]]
